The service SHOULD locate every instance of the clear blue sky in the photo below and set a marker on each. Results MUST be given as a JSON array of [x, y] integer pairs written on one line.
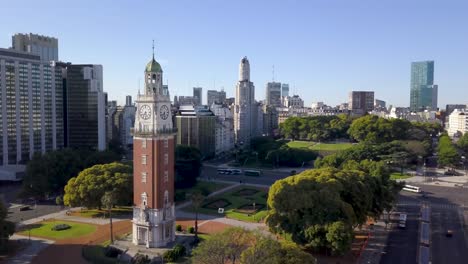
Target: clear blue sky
[[323, 49]]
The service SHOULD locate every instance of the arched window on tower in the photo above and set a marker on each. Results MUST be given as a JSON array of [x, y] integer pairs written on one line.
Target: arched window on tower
[[153, 79]]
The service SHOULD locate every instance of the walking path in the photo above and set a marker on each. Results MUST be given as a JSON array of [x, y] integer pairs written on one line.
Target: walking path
[[375, 245], [62, 215], [33, 248], [287, 169]]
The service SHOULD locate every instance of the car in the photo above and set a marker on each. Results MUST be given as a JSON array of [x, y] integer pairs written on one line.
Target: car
[[449, 233]]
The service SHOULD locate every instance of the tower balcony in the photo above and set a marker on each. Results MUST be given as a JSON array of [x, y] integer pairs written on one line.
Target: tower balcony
[[153, 132]]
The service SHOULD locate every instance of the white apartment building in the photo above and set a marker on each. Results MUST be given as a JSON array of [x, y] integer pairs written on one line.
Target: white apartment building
[[224, 129], [457, 122]]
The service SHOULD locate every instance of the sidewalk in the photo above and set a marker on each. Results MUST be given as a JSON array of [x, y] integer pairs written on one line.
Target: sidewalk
[[33, 248], [375, 245], [62, 215]]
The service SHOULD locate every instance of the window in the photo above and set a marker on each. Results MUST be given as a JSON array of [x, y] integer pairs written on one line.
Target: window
[[166, 143], [143, 176], [166, 158], [166, 176], [143, 143], [143, 159]]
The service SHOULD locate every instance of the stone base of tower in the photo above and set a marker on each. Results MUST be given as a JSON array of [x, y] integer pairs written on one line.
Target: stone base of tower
[[151, 229]]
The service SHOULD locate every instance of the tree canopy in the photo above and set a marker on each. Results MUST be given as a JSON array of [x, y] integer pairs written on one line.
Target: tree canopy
[[49, 173], [238, 245], [447, 153], [463, 143], [319, 208], [7, 228], [187, 166], [316, 128], [91, 184]]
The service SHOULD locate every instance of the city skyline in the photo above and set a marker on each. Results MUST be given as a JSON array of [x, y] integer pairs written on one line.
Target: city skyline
[[323, 51]]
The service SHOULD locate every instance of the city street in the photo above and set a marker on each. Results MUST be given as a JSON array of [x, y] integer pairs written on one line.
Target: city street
[[268, 177], [448, 213]]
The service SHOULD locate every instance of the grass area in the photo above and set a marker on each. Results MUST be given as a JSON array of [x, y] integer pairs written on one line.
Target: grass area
[[94, 213], [44, 229], [300, 144], [399, 176], [236, 201], [331, 146], [319, 146], [201, 186]]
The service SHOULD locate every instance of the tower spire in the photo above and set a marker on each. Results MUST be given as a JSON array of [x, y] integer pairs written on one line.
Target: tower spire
[[153, 49]]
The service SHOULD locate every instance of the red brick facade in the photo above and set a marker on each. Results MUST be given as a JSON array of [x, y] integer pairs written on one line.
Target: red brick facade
[[156, 184]]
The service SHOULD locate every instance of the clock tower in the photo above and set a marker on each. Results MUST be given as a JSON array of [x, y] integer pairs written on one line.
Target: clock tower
[[153, 163]]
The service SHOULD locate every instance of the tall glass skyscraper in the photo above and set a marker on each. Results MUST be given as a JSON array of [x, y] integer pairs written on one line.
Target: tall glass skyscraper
[[423, 94]]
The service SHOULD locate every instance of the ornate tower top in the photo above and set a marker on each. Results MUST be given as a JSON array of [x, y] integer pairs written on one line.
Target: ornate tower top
[[153, 65], [244, 70]]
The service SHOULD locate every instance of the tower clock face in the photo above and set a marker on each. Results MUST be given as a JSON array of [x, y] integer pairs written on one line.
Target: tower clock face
[[145, 112], [164, 112]]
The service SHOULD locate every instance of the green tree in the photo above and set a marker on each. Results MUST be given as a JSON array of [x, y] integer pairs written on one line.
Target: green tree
[[49, 173], [463, 143], [197, 201], [308, 206], [91, 184], [447, 153], [108, 201], [267, 250], [339, 236], [237, 245], [224, 246], [187, 166], [7, 228]]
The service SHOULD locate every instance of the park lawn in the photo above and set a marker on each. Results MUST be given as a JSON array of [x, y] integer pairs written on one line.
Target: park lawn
[[44, 229], [236, 202], [300, 144], [93, 213], [209, 187], [399, 176], [330, 146]]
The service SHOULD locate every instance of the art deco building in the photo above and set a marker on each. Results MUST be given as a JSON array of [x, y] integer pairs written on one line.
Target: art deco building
[[246, 109]]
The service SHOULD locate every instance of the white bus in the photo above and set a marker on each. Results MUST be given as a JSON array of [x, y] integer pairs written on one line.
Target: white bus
[[230, 171], [411, 188]]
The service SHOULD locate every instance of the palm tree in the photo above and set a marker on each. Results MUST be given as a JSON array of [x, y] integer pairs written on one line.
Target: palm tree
[[197, 200], [108, 201]]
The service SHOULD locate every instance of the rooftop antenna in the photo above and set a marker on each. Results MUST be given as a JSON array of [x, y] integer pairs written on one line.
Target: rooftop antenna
[[153, 49]]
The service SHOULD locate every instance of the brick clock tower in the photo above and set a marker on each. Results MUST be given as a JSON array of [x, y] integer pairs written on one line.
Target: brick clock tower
[[153, 163]]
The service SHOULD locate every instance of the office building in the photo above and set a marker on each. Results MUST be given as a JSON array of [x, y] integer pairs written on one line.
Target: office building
[[186, 100], [215, 97], [457, 123], [273, 94], [196, 126], [450, 107], [293, 101], [32, 106], [284, 90], [84, 106], [270, 120], [423, 94], [224, 131], [361, 102], [45, 47], [246, 108], [126, 123], [197, 95], [379, 104]]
